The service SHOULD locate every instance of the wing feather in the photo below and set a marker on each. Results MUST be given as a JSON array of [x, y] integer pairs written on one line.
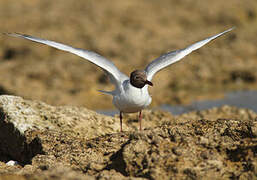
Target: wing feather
[[174, 56], [115, 75]]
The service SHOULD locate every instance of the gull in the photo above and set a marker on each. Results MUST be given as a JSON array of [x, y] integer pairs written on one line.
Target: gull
[[131, 93]]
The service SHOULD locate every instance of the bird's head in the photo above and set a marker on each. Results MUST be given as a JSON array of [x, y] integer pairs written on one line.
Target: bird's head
[[138, 79]]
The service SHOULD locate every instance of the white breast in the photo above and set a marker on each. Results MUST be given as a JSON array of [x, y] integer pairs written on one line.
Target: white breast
[[131, 99]]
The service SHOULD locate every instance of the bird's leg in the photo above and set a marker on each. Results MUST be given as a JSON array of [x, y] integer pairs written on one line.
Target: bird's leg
[[140, 120], [120, 121]]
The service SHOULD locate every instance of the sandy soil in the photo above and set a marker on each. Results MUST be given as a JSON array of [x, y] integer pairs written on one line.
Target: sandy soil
[[131, 34]]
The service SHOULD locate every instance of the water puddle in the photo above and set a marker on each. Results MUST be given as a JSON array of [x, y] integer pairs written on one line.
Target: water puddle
[[240, 99]]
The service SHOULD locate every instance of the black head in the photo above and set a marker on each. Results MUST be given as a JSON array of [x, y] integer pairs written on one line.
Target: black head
[[138, 79]]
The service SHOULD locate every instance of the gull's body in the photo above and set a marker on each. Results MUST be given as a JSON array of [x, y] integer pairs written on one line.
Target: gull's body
[[131, 99], [130, 94]]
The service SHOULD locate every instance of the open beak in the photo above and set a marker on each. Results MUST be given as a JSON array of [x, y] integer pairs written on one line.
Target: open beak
[[149, 83]]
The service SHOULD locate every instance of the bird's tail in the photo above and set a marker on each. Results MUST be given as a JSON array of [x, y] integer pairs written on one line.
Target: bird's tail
[[106, 92]]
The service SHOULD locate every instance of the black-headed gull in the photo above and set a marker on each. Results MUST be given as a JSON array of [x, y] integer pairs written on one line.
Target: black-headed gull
[[130, 94]]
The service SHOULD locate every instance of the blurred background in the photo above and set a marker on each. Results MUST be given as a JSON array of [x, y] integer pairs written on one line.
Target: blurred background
[[131, 34]]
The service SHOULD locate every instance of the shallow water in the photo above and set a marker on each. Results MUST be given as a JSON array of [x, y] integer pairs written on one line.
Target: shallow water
[[241, 99]]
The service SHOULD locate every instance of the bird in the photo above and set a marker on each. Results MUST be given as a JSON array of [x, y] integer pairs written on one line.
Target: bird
[[131, 93]]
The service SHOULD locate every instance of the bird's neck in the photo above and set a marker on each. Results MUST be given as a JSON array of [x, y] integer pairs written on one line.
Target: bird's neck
[[129, 87]]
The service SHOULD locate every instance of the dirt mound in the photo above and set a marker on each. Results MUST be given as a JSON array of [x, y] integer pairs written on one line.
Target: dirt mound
[[67, 142]]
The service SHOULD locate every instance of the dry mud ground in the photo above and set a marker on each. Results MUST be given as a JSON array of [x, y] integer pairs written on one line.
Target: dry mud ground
[[51, 142], [131, 34]]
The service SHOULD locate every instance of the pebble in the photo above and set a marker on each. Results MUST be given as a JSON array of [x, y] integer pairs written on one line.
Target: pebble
[[12, 163]]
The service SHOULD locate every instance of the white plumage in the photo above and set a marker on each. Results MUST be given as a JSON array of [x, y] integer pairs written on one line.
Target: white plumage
[[126, 97]]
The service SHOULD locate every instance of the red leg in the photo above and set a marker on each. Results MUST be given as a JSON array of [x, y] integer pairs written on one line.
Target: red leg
[[140, 120], [120, 121]]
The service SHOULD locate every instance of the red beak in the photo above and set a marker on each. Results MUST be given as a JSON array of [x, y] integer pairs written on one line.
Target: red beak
[[149, 83]]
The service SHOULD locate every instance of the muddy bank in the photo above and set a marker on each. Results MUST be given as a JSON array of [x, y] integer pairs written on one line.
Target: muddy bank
[[67, 142]]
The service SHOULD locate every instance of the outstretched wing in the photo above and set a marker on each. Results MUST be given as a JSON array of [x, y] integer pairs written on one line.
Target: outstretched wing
[[115, 75], [174, 56]]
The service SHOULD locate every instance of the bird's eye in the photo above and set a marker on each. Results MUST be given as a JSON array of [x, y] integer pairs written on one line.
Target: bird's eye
[[136, 77]]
